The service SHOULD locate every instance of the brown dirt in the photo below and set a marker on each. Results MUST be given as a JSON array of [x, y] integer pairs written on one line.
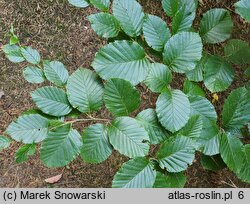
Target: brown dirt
[[62, 32]]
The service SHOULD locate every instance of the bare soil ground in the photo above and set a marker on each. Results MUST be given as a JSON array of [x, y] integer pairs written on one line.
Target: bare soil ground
[[61, 32]]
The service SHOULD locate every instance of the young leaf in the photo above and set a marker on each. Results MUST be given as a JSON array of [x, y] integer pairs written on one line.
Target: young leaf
[[128, 137], [243, 9], [61, 146], [176, 153], [216, 26], [244, 172], [103, 5], [218, 74], [184, 17], [85, 90], [192, 89], [170, 7], [203, 107], [209, 140], [4, 142], [24, 152], [52, 101], [237, 52], [96, 147], [236, 109], [149, 121], [31, 55], [33, 75], [193, 128], [130, 15], [122, 59], [183, 51], [170, 180], [13, 40], [158, 78], [120, 97], [56, 73], [247, 72], [29, 129], [231, 152], [197, 73], [212, 163], [136, 173], [79, 3], [105, 25], [156, 32], [173, 109], [13, 53]]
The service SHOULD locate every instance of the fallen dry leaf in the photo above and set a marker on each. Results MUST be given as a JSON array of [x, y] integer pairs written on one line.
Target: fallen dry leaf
[[53, 179]]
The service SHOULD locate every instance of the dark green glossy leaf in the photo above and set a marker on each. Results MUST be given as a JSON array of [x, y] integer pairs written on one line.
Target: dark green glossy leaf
[[120, 97]]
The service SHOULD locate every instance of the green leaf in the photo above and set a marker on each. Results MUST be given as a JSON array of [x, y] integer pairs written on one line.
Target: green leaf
[[218, 74], [193, 128], [170, 180], [33, 75], [128, 137], [173, 109], [96, 147], [216, 26], [156, 32], [61, 146], [244, 172], [79, 3], [122, 59], [120, 97], [14, 39], [4, 142], [85, 90], [52, 101], [158, 78], [183, 51], [29, 129], [203, 107], [136, 173], [105, 25], [176, 153], [184, 17], [56, 73], [243, 9], [149, 121], [103, 5], [209, 140], [192, 89], [231, 152], [197, 73], [236, 109], [212, 163], [170, 7], [130, 15], [247, 72], [237, 52], [31, 55], [13, 53], [24, 152]]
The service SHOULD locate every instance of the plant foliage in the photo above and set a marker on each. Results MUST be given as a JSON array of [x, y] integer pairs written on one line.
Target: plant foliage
[[142, 51]]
